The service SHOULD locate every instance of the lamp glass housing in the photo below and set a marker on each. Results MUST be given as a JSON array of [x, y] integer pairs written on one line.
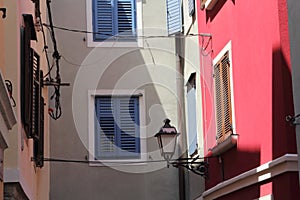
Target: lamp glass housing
[[167, 138]]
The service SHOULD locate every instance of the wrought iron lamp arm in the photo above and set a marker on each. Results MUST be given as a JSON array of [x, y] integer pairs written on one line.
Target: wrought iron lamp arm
[[192, 164]]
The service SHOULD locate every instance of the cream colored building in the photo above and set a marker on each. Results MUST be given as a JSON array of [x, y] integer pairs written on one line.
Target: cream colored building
[[7, 116], [22, 50]]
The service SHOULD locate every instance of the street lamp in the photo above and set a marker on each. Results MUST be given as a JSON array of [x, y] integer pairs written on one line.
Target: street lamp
[[167, 139]]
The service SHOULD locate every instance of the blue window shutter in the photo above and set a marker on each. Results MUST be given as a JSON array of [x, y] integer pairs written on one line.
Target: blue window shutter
[[173, 16], [129, 141], [191, 7], [102, 19], [112, 17], [126, 17], [117, 128], [105, 136]]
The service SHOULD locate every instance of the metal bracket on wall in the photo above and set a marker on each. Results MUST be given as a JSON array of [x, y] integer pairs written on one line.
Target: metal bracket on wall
[[293, 119], [54, 83], [3, 10]]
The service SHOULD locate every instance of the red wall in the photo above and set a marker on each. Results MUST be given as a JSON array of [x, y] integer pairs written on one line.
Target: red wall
[[261, 68]]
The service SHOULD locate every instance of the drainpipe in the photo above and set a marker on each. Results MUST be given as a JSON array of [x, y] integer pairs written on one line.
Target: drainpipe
[[183, 174]]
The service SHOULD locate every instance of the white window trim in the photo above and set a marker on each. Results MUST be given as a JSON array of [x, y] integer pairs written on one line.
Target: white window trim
[[116, 43], [91, 106], [228, 47], [281, 165], [210, 4]]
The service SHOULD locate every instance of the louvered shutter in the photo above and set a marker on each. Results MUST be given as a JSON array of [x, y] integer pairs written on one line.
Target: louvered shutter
[[26, 80], [113, 17], [191, 7], [223, 98], [105, 137], [174, 24], [126, 17], [128, 126], [103, 25], [202, 4], [39, 142], [117, 128], [36, 94]]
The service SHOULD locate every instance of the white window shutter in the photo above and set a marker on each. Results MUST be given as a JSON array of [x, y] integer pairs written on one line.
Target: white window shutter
[[174, 23]]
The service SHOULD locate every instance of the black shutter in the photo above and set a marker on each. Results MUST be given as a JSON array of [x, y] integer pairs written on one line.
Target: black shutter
[[39, 141], [36, 95], [28, 59], [26, 82]]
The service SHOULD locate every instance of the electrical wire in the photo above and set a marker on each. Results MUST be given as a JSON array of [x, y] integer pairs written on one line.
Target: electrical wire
[[122, 36], [56, 57], [99, 162], [172, 161], [9, 87]]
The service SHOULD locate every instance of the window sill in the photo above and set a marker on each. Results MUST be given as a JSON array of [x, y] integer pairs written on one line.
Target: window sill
[[116, 163], [229, 143], [209, 4], [116, 43]]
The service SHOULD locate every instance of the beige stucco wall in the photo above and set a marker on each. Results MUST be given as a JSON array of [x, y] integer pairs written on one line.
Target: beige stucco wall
[[1, 41], [18, 164]]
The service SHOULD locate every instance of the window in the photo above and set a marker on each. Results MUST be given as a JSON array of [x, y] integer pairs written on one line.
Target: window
[[30, 80], [114, 17], [192, 116], [174, 23], [116, 125], [223, 98], [32, 102]]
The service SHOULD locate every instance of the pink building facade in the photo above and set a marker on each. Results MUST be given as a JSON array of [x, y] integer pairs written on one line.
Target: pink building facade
[[246, 96]]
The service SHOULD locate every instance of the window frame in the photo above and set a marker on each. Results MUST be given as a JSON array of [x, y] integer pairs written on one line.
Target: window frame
[[217, 59], [208, 4], [92, 94], [114, 7], [114, 42], [192, 126]]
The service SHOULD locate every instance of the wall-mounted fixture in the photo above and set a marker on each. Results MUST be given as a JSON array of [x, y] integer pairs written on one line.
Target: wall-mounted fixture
[[167, 140], [293, 119], [3, 10]]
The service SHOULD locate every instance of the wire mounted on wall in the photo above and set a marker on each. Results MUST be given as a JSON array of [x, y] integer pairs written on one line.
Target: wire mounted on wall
[[9, 87], [56, 112]]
